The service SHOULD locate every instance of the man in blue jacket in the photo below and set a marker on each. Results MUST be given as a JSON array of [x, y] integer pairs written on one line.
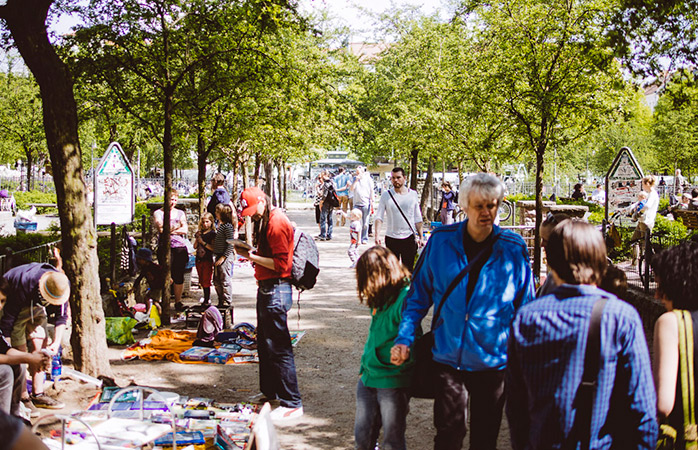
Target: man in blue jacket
[[470, 338]]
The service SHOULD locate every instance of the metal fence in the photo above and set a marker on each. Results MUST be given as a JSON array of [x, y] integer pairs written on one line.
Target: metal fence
[[40, 253], [639, 271]]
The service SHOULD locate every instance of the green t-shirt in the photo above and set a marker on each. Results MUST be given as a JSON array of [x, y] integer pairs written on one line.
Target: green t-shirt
[[376, 369]]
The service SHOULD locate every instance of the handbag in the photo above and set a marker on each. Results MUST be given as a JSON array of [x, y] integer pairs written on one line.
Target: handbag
[[667, 439], [424, 375]]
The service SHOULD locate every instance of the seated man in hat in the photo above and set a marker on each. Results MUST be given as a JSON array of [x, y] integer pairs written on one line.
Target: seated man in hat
[[12, 378], [35, 288], [152, 272]]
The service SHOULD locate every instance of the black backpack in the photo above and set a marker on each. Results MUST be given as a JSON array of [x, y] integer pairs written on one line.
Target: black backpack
[[332, 198], [306, 261]]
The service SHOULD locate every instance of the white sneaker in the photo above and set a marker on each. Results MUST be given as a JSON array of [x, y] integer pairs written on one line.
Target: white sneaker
[[283, 413]]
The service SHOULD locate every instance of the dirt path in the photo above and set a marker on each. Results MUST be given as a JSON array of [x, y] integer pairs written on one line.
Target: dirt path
[[327, 358]]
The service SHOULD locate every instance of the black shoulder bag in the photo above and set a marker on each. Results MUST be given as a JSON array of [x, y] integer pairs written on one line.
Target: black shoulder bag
[[584, 399], [424, 380]]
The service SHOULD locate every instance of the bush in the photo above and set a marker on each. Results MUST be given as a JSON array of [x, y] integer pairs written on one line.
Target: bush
[[24, 198], [672, 232]]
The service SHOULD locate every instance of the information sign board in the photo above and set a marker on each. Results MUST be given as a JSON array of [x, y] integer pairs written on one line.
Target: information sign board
[[114, 193], [623, 181]]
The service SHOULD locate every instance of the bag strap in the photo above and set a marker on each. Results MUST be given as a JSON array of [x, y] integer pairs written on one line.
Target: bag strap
[[587, 388], [403, 214], [458, 279], [686, 372]]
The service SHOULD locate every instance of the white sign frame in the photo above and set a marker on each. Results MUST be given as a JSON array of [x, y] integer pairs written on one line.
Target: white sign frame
[[114, 194], [623, 181]]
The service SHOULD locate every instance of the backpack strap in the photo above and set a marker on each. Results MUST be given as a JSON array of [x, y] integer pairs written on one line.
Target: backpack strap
[[403, 214], [685, 322]]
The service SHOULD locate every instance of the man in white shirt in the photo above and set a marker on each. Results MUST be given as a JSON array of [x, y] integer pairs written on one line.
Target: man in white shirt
[[599, 195], [363, 198], [403, 223]]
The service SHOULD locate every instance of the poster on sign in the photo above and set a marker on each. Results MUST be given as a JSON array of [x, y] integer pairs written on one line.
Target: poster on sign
[[623, 181], [113, 188]]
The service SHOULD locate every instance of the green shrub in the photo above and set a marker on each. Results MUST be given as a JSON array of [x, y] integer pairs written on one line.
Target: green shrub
[[672, 231], [25, 198], [663, 204]]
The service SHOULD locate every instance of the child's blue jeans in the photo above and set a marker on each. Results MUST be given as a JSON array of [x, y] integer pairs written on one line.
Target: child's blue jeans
[[375, 407]]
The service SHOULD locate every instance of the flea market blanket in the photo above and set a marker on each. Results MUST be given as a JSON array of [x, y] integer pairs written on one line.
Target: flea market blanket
[[176, 346]]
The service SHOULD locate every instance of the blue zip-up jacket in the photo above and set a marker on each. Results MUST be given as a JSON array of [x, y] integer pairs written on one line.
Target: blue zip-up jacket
[[472, 336]]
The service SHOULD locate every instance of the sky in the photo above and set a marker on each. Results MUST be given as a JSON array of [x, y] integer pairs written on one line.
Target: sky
[[349, 12]]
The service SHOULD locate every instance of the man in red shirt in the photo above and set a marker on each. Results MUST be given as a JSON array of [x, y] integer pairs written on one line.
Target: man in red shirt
[[272, 260]]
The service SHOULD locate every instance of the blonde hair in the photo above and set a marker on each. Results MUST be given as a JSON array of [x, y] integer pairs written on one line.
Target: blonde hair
[[379, 277], [651, 180], [209, 216]]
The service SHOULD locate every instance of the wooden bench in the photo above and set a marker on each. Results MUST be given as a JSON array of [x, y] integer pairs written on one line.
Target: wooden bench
[[43, 205], [689, 218]]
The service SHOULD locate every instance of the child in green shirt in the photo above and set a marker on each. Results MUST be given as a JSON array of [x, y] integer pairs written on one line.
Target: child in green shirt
[[382, 393]]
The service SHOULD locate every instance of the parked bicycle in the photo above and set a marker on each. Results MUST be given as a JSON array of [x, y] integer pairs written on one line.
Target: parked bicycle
[[506, 208]]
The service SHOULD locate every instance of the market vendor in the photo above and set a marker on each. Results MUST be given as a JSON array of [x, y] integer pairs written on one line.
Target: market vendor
[[35, 290]]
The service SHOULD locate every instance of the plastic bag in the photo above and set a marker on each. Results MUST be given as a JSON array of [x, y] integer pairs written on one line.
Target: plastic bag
[[119, 330]]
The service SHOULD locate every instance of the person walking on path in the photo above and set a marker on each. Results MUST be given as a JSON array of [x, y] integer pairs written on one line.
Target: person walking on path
[[342, 183], [678, 291], [448, 203], [470, 338], [273, 260], [363, 198], [326, 219], [399, 208], [179, 254], [219, 194], [35, 290], [224, 256], [382, 393], [203, 243], [547, 351]]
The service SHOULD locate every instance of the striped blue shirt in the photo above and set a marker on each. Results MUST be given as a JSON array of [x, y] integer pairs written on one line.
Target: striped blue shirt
[[547, 345]]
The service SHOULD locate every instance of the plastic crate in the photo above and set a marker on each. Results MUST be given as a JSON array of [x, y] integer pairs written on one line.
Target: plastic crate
[[23, 227]]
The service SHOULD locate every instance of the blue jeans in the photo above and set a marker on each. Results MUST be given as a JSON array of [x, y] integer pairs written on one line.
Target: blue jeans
[[374, 407], [277, 368], [365, 211], [326, 222]]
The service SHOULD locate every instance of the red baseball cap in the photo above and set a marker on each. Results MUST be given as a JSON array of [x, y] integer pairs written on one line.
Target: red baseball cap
[[249, 199]]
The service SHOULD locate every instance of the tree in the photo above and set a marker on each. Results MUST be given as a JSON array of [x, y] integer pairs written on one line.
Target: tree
[[21, 119], [553, 70], [26, 22]]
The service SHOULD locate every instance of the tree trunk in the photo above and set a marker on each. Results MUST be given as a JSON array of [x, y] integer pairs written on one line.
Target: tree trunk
[[460, 173], [164, 243], [540, 151], [269, 179], [257, 164], [414, 168], [426, 191], [201, 157], [243, 170], [26, 21], [234, 184], [30, 164], [285, 184], [280, 182]]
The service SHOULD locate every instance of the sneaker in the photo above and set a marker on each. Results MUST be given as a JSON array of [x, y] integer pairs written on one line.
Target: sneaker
[[44, 401], [320, 238], [283, 413], [179, 306], [26, 404]]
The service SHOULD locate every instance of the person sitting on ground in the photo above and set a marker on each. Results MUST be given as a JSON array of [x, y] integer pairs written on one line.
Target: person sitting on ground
[[210, 325], [35, 288], [382, 392], [693, 205], [676, 272], [547, 348], [153, 274], [12, 375]]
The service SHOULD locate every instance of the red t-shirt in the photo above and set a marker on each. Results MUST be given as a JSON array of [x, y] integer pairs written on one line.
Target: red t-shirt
[[279, 248]]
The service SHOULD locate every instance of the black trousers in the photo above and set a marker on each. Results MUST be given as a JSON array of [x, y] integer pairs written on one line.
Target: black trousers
[[405, 249], [485, 390]]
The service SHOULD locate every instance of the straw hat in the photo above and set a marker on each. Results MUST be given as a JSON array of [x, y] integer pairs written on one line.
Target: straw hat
[[54, 287]]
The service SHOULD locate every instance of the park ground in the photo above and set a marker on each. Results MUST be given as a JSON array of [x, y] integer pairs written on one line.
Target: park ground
[[327, 357]]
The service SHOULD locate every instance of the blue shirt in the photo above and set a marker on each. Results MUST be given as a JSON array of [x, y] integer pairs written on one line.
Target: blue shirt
[[547, 346], [340, 184]]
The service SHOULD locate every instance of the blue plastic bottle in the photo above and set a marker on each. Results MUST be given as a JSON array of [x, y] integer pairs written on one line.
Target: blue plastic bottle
[[56, 366]]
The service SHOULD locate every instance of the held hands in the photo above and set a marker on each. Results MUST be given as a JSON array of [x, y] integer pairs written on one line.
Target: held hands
[[399, 354], [219, 261]]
